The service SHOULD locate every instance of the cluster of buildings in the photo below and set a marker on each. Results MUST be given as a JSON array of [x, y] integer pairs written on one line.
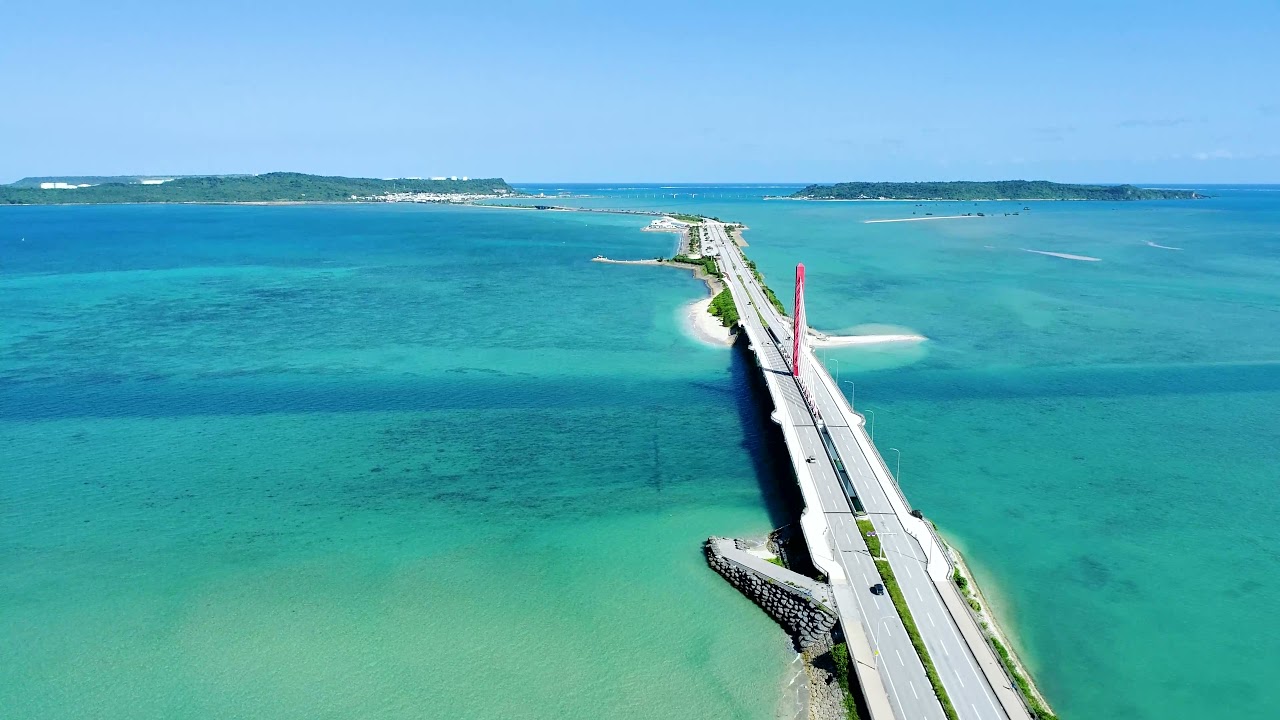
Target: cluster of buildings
[[58, 185], [426, 197]]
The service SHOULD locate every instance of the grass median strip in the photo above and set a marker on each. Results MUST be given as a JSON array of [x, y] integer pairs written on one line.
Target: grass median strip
[[900, 604]]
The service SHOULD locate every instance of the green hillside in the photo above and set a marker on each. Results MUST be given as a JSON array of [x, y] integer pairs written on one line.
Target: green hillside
[[270, 187], [34, 182]]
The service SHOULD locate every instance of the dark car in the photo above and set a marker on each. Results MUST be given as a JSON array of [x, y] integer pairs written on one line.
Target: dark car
[[809, 459], [877, 589]]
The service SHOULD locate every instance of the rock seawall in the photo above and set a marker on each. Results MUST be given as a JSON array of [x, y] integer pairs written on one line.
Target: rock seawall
[[800, 605]]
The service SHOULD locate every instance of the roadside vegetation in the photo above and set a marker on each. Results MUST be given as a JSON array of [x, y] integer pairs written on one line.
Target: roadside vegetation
[[900, 604], [768, 292], [840, 657], [962, 582], [723, 307], [1038, 710], [708, 264]]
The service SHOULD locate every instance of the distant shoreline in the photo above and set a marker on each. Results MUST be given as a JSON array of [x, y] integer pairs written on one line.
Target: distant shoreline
[[975, 191], [939, 200], [289, 202], [266, 188], [239, 202]]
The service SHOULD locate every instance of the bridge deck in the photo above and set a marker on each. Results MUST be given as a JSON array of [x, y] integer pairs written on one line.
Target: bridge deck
[[845, 463]]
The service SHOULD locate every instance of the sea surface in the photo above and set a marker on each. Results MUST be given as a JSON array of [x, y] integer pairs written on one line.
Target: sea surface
[[1101, 438], [368, 461], [421, 462]]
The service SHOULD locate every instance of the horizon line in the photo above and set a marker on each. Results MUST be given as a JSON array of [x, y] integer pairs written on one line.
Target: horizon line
[[673, 183]]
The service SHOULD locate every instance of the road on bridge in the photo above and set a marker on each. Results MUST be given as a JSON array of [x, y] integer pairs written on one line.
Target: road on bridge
[[903, 674]]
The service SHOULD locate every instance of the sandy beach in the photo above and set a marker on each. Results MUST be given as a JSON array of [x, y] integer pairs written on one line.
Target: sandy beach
[[703, 326]]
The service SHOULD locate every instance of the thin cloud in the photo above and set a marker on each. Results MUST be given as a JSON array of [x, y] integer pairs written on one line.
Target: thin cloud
[[1155, 123], [1215, 155], [1053, 133], [1221, 154]]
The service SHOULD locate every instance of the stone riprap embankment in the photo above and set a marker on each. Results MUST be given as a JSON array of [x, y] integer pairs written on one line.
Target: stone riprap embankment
[[802, 606], [826, 699]]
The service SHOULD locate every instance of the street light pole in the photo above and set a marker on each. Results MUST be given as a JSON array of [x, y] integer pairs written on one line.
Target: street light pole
[[898, 472], [853, 392], [882, 550], [875, 637], [837, 362], [873, 424]]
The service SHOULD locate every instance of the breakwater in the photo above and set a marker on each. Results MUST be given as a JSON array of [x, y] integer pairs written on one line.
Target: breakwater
[[802, 606]]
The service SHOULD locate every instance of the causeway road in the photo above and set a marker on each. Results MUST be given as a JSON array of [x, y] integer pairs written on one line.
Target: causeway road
[[850, 569], [965, 668]]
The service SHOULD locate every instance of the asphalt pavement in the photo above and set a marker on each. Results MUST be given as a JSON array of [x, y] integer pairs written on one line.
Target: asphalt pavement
[[909, 692], [896, 661]]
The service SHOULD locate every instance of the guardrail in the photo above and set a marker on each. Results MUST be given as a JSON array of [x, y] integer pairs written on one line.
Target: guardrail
[[933, 532], [988, 639], [837, 463]]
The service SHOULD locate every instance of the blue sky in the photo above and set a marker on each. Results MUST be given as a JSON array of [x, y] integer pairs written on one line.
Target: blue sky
[[653, 91]]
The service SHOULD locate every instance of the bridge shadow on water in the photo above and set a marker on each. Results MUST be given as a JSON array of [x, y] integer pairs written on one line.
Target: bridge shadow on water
[[763, 442]]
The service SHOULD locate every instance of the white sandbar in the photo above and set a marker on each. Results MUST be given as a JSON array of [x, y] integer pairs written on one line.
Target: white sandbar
[[1065, 256], [926, 217], [842, 340]]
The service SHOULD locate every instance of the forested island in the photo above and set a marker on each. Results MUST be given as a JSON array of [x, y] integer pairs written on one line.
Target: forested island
[[269, 187], [994, 190]]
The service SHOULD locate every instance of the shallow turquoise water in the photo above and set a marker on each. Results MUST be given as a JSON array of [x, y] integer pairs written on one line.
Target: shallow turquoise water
[[266, 461], [1100, 437], [367, 462]]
